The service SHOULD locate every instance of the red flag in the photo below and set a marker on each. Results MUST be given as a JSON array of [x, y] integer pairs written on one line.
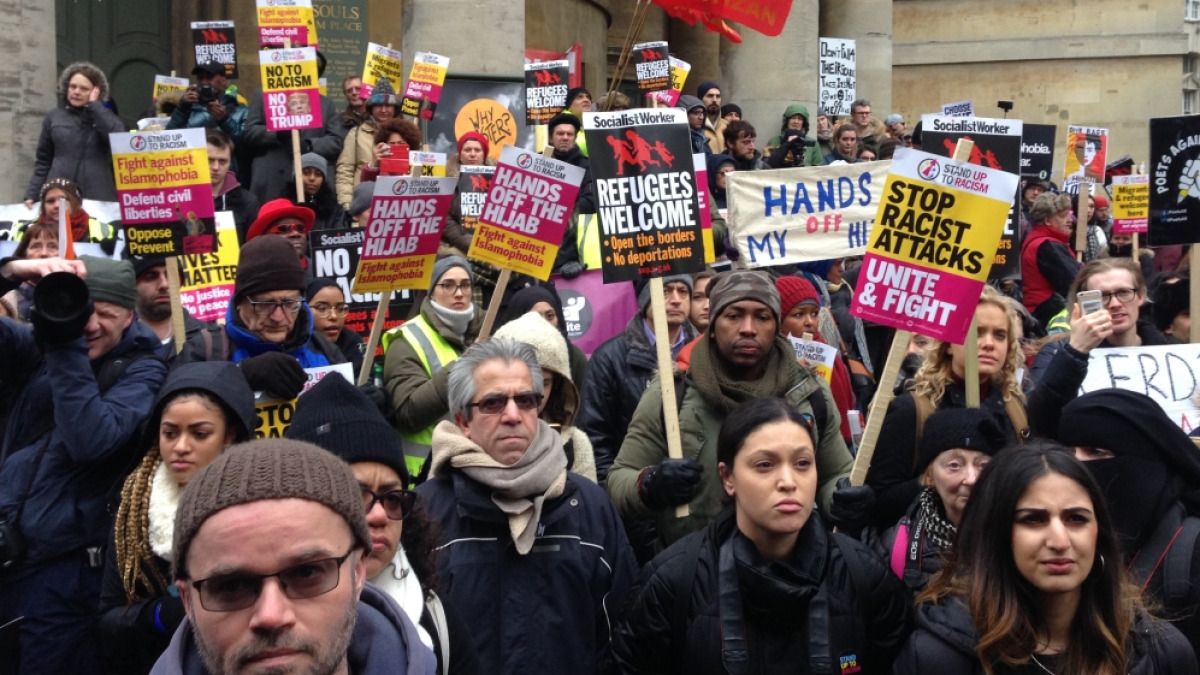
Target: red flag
[[764, 16]]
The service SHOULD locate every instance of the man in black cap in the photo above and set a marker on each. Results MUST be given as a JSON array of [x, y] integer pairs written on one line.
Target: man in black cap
[[154, 310], [210, 103], [714, 124], [85, 376]]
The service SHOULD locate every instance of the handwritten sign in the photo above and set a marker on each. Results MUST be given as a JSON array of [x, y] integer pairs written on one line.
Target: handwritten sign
[[836, 75], [652, 66], [280, 20], [1169, 374], [403, 231], [207, 282], [381, 62], [275, 415], [424, 88], [216, 42], [545, 90], [1130, 204], [291, 98], [932, 244]]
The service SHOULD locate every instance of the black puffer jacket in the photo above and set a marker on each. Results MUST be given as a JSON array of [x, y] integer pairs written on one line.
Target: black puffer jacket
[[74, 144], [841, 612], [945, 639]]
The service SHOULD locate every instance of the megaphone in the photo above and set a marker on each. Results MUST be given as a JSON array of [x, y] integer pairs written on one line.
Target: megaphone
[[62, 307]]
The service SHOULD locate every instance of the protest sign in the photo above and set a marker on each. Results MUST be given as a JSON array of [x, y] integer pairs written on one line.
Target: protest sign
[[165, 85], [956, 109], [206, 284], [679, 73], [473, 185], [1130, 204], [526, 212], [818, 354], [424, 88], [433, 164], [335, 255], [164, 191], [997, 145], [216, 42], [788, 216], [573, 56], [545, 90], [652, 66], [1175, 174], [593, 310], [704, 199], [836, 75], [281, 22], [1037, 151], [291, 99], [1169, 374], [1087, 149], [403, 231], [275, 416], [932, 244], [646, 190], [381, 62]]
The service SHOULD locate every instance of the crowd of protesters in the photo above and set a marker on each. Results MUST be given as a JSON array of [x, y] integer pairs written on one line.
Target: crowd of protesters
[[507, 504]]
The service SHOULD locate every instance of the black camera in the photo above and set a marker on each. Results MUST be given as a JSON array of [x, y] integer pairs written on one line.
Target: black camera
[[62, 307], [205, 94]]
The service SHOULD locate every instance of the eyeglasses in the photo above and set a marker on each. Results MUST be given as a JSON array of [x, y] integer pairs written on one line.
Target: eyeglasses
[[450, 288], [861, 112], [286, 228], [231, 592], [1123, 295], [493, 404], [326, 308], [396, 503], [263, 308]]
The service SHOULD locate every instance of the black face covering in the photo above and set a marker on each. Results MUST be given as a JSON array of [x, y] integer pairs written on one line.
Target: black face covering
[[1139, 491], [1120, 251]]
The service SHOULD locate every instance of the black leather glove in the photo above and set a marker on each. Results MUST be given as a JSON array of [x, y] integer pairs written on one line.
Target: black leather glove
[[570, 270], [852, 506], [276, 373], [670, 483]]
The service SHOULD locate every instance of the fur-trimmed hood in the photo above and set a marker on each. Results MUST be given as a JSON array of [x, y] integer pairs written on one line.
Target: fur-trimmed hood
[[89, 70]]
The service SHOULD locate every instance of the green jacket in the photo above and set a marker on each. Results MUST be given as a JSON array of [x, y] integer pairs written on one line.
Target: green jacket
[[699, 423], [812, 154], [419, 400]]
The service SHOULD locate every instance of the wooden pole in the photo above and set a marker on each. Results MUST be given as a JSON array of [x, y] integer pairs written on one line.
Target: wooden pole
[[1085, 188], [962, 153], [666, 376], [1135, 248], [178, 331], [885, 384], [296, 168], [489, 319]]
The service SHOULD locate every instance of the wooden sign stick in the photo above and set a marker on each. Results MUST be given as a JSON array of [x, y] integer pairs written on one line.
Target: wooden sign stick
[[666, 376], [1085, 188], [178, 331], [885, 384]]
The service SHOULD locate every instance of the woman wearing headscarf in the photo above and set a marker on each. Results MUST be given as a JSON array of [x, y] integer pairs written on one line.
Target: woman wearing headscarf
[[543, 299]]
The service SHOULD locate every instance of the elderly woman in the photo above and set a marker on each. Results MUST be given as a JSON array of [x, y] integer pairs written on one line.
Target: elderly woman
[[74, 139], [1047, 259]]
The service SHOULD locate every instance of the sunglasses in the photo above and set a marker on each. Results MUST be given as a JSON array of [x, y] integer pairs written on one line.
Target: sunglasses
[[494, 404], [396, 503], [286, 228], [232, 592]]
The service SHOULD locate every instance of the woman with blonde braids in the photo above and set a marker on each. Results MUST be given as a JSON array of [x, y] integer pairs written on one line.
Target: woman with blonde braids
[[938, 385], [202, 409]]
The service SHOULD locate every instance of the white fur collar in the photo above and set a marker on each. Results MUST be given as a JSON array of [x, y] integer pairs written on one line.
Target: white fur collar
[[399, 581], [164, 500]]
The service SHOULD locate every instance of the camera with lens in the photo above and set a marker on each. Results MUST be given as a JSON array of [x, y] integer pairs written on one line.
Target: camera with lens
[[796, 139], [205, 94], [62, 307]]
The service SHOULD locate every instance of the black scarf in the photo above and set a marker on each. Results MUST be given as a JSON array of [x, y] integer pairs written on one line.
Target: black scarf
[[931, 521], [1139, 491]]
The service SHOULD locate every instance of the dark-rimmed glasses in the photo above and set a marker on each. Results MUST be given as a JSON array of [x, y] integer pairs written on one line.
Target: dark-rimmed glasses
[[493, 404], [327, 308], [396, 503], [449, 287], [231, 592], [1123, 295], [261, 308]]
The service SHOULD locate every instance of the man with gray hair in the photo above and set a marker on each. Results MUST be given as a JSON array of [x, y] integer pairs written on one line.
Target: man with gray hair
[[269, 547], [524, 544]]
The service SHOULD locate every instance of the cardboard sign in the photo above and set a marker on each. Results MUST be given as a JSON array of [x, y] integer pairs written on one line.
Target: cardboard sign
[[1087, 150], [1130, 204], [788, 216], [647, 194], [433, 164], [474, 182], [956, 109], [405, 226], [526, 213], [1169, 374], [1175, 180], [164, 190], [291, 99], [381, 62], [165, 85], [424, 88], [207, 281], [275, 416], [652, 66], [335, 255], [1037, 150], [932, 244], [545, 90], [216, 42], [595, 311], [679, 73], [997, 146], [837, 76], [280, 20], [818, 354]]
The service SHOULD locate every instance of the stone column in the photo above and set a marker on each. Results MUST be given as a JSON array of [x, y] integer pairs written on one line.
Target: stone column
[[869, 23], [479, 36], [29, 76], [700, 47]]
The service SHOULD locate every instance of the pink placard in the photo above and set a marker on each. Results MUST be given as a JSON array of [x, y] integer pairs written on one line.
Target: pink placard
[[529, 203], [295, 109], [915, 298]]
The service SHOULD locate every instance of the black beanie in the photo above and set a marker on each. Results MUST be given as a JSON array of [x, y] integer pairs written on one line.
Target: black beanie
[[731, 108], [966, 428], [1168, 300], [336, 416], [267, 263], [704, 87], [316, 285], [564, 118]]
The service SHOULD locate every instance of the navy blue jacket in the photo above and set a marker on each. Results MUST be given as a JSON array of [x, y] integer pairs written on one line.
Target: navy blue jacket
[[549, 611], [91, 443]]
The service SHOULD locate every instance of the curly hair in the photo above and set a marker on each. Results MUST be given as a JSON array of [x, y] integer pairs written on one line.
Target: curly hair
[[89, 70], [408, 130], [936, 371]]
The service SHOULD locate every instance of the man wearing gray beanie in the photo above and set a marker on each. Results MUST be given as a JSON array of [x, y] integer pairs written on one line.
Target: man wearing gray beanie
[[270, 542], [83, 378]]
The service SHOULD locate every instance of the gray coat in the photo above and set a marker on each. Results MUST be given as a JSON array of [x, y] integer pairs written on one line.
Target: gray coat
[[271, 171], [74, 145]]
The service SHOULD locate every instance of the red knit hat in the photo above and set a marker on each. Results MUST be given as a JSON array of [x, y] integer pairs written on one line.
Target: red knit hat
[[474, 136], [794, 291], [1101, 201], [277, 209]]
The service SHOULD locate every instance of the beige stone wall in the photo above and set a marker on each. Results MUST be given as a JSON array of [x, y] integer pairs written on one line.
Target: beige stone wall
[[28, 76], [557, 24]]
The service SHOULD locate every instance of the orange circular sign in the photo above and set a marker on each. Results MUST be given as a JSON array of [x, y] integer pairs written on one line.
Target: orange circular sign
[[490, 118]]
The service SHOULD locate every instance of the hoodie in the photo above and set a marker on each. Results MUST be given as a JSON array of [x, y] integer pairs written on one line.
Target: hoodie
[[384, 641], [780, 153]]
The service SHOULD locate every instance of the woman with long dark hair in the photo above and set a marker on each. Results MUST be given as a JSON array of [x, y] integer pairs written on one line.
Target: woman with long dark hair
[[1036, 583]]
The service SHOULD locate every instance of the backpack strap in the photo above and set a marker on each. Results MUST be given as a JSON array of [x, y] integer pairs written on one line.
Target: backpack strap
[[820, 410], [433, 604], [899, 550], [1177, 567]]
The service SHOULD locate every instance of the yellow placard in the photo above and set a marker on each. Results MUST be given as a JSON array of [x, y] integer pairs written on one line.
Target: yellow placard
[[292, 20], [511, 250], [166, 169], [382, 62], [165, 85]]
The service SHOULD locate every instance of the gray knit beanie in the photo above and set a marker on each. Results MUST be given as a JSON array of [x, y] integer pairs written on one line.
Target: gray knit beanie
[[111, 281], [443, 265], [268, 469], [731, 287]]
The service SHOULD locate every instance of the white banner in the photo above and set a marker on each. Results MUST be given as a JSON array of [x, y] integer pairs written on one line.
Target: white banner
[[1169, 374]]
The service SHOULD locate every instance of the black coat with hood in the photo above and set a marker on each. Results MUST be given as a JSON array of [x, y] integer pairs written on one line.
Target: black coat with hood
[[945, 640], [834, 607]]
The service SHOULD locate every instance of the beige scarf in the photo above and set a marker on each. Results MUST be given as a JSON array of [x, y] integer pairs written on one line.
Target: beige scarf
[[520, 489]]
